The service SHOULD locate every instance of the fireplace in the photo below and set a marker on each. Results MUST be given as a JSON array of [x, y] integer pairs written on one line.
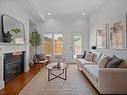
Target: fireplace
[[13, 65]]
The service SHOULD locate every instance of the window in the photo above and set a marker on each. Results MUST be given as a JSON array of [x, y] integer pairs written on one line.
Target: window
[[47, 44], [52, 44]]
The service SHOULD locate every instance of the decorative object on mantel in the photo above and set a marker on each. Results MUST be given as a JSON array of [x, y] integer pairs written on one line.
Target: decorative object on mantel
[[35, 39], [7, 37], [101, 37], [117, 33]]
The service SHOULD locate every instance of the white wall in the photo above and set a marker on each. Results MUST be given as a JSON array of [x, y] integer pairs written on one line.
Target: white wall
[[67, 26], [111, 9], [31, 48]]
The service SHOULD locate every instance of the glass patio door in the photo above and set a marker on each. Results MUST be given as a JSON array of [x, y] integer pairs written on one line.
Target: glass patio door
[[76, 45]]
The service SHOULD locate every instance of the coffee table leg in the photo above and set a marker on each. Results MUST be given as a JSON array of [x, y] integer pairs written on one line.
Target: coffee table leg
[[49, 71], [57, 76], [65, 73]]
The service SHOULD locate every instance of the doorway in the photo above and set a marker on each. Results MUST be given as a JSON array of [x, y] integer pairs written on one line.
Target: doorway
[[77, 47]]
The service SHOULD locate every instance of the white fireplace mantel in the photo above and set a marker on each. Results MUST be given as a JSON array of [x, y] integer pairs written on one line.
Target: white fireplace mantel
[[12, 48]]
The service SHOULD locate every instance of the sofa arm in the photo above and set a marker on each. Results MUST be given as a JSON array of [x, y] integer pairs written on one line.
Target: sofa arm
[[112, 80]]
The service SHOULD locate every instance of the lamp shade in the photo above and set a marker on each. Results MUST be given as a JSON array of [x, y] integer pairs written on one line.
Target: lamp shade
[[93, 47]]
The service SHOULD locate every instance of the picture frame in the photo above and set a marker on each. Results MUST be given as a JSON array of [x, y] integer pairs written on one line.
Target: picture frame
[[118, 33], [101, 37]]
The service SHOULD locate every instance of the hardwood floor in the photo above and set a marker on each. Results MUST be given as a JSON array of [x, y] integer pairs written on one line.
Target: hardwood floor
[[17, 84]]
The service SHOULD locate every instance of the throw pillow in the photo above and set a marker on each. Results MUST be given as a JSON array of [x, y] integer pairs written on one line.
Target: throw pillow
[[102, 63], [102, 56], [89, 56], [97, 56], [114, 62]]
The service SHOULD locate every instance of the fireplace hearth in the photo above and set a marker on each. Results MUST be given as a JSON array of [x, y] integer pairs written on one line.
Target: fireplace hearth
[[13, 65]]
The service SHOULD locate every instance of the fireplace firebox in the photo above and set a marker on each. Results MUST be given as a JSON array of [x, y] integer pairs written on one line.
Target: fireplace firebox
[[13, 65]]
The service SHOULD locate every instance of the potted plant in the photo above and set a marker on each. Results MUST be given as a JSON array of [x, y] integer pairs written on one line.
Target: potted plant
[[35, 39]]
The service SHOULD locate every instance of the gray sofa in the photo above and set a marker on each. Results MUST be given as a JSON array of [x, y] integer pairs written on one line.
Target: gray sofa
[[105, 80]]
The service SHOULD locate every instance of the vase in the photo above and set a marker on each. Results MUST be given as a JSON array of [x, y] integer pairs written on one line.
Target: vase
[[58, 63], [7, 37]]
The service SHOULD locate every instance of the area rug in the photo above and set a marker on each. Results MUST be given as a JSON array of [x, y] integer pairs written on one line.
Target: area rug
[[76, 84]]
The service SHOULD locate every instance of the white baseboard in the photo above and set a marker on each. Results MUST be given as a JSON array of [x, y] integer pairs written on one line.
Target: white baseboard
[[26, 69], [1, 84]]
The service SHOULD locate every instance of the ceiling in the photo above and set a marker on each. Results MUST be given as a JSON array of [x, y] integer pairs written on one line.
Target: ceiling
[[66, 7], [60, 8]]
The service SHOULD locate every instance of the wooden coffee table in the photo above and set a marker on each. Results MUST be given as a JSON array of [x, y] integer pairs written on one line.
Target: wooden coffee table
[[53, 67]]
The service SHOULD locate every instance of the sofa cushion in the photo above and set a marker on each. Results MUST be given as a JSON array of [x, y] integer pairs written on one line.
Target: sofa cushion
[[84, 62], [97, 56], [103, 61], [92, 70], [89, 56], [114, 62]]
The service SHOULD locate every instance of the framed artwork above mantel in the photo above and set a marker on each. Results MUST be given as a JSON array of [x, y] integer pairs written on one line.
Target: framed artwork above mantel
[[118, 33]]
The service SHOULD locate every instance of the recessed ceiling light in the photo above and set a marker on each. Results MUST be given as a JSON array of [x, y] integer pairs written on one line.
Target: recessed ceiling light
[[49, 13], [83, 14]]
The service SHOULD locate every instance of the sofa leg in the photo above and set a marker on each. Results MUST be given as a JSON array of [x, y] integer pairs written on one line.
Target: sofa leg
[[79, 68]]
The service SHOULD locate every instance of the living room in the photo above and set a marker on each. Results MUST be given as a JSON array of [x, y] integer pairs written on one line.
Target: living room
[[67, 28]]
